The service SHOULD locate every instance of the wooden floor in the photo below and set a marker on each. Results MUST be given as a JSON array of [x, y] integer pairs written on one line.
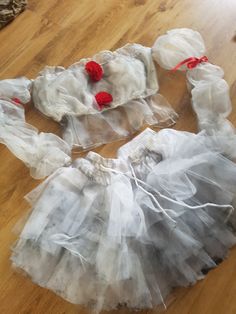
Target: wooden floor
[[59, 32]]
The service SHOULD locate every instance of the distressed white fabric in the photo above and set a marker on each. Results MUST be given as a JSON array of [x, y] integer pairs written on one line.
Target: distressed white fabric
[[210, 92], [68, 96], [41, 152], [177, 45], [111, 232], [88, 131], [16, 88], [129, 73]]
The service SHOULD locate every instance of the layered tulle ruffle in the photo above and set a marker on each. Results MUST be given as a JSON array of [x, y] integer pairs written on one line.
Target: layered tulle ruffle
[[88, 131], [126, 231]]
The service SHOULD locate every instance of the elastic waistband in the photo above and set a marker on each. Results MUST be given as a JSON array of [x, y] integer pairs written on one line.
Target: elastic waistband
[[96, 167]]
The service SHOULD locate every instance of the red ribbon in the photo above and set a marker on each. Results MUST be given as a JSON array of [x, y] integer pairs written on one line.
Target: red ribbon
[[191, 62]]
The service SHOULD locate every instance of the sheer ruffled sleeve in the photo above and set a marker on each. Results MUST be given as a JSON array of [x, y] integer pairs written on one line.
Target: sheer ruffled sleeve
[[16, 88], [210, 92], [41, 152]]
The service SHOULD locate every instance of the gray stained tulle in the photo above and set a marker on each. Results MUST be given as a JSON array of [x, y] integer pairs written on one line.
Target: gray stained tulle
[[126, 231]]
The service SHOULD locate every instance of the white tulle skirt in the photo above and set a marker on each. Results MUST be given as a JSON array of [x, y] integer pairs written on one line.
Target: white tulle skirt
[[126, 231]]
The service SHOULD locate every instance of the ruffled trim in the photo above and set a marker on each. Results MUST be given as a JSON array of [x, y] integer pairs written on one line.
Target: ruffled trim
[[89, 131], [210, 92], [105, 246]]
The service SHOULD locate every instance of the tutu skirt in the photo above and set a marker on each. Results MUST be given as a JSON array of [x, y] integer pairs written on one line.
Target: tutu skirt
[[126, 231]]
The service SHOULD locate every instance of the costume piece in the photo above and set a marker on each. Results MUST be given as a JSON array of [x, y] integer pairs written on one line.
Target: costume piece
[[210, 92], [111, 232], [9, 9], [93, 130], [18, 88], [75, 96], [112, 96], [42, 152]]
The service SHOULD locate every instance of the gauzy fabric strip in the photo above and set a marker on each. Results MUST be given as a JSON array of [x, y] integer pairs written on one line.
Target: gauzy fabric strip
[[210, 92], [41, 152]]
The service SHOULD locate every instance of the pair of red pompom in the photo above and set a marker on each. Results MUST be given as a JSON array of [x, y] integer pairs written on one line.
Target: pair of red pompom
[[95, 73]]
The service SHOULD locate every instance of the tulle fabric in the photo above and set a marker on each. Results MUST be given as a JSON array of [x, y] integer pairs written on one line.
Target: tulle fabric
[[210, 92], [129, 73], [16, 88], [68, 96], [126, 231], [177, 45], [88, 131], [41, 152]]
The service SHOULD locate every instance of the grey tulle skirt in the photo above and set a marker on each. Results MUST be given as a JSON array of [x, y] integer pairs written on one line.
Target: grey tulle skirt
[[126, 231]]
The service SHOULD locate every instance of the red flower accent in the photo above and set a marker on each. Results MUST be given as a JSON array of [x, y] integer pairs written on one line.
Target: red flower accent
[[16, 100], [94, 70], [103, 99]]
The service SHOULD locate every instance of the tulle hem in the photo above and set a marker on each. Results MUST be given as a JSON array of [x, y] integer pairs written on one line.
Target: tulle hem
[[89, 131], [127, 231]]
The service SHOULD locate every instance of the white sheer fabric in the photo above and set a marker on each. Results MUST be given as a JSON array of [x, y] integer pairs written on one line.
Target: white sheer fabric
[[92, 130], [41, 152], [177, 45], [129, 73], [124, 232], [16, 88], [210, 92], [112, 232], [68, 96]]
